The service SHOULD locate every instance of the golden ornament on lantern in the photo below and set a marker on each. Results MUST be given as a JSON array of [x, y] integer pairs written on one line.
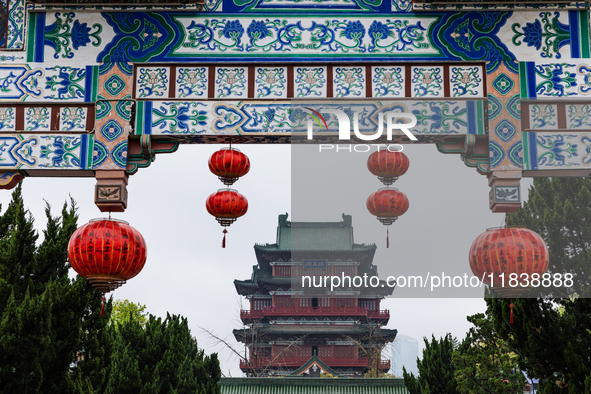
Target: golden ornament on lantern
[[107, 253], [387, 204]]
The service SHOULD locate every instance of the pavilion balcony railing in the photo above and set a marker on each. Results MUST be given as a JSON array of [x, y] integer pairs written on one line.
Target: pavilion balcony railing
[[315, 311], [297, 362]]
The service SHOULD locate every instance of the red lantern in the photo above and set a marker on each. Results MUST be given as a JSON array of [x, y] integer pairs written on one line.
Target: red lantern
[[229, 165], [509, 251], [107, 253], [387, 204], [498, 253], [226, 205], [387, 165]]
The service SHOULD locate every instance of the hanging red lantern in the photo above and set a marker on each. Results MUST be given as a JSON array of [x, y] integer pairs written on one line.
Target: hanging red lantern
[[498, 253], [107, 253], [229, 165], [387, 204], [226, 205], [387, 165]]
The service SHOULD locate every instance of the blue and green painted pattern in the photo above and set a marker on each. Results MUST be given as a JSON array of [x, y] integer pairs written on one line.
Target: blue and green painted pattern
[[561, 79], [179, 37], [46, 151], [255, 117], [556, 150], [39, 82]]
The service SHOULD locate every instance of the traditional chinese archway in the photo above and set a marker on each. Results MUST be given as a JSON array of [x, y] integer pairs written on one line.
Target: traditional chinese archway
[[97, 91]]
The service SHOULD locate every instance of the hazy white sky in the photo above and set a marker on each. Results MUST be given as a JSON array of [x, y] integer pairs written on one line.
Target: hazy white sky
[[188, 273]]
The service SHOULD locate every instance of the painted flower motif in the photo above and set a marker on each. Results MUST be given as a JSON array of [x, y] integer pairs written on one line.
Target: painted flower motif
[[231, 78], [257, 29], [355, 30], [378, 30], [387, 78], [349, 78], [296, 115], [466, 77], [4, 114], [559, 80], [533, 34], [579, 113], [270, 79], [233, 30], [65, 83], [195, 117], [462, 35], [310, 79], [562, 149], [58, 151], [269, 115], [80, 34]]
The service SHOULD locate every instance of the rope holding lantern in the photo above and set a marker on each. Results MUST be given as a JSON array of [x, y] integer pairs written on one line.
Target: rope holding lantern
[[226, 205], [107, 253], [500, 252], [387, 204]]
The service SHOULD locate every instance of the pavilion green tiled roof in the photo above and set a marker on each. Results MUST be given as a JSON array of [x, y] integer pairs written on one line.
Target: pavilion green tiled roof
[[315, 236], [304, 385]]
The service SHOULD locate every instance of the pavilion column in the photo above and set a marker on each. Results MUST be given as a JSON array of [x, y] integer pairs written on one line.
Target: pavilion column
[[505, 140], [112, 130]]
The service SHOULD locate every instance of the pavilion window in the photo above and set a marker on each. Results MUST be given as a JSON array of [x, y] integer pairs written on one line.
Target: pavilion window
[[283, 301], [371, 305], [344, 351], [283, 270], [305, 352], [324, 351], [258, 305]]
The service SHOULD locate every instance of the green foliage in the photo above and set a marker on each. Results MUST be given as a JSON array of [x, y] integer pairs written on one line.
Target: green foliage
[[551, 335], [125, 310], [53, 339], [559, 209], [378, 373], [485, 363], [162, 358], [436, 370], [41, 310]]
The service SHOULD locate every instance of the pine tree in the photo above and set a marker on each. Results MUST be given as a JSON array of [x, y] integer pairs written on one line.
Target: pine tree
[[551, 335], [484, 362], [53, 339], [436, 370], [44, 315], [559, 209], [161, 357]]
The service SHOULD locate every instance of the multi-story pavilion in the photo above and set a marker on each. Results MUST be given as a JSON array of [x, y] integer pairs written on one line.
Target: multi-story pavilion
[[290, 329]]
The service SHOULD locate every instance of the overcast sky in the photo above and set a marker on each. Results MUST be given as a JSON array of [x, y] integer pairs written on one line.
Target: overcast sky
[[188, 273]]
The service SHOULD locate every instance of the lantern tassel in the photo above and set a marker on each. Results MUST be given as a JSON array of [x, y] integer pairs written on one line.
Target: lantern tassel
[[387, 237], [224, 240], [511, 316], [103, 307]]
